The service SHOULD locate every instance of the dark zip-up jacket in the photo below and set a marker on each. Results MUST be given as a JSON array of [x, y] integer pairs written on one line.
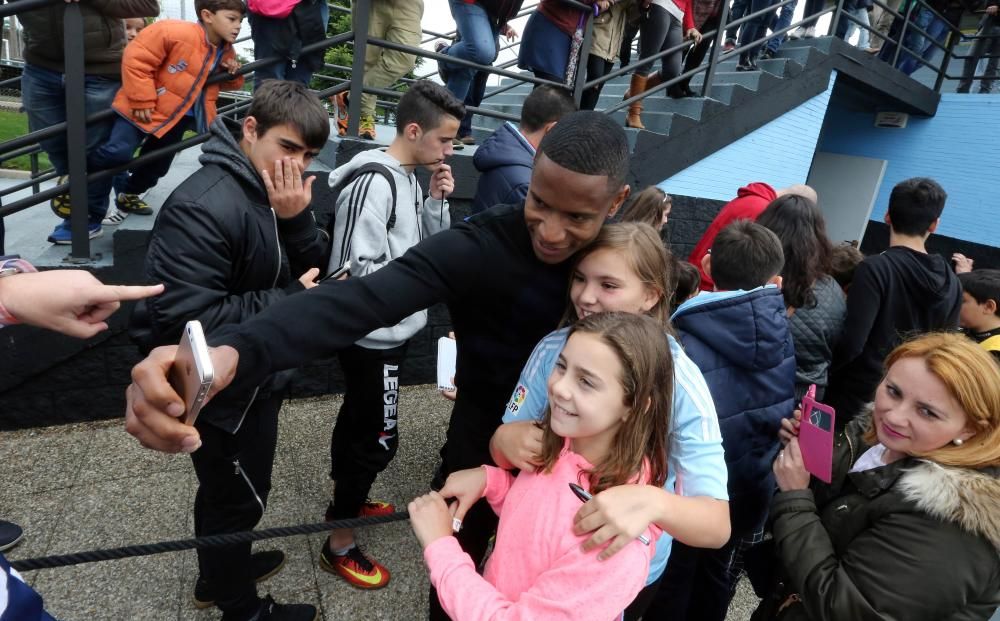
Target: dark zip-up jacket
[[741, 343], [103, 34], [224, 256], [501, 298], [910, 540], [896, 294], [505, 160]]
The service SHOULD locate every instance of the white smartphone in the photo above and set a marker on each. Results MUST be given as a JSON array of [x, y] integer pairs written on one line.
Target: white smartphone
[[192, 372]]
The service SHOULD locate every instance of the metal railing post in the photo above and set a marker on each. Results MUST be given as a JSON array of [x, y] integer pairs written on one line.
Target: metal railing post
[[360, 17], [836, 18], [717, 43], [953, 37], [902, 32], [580, 79], [33, 159], [76, 131]]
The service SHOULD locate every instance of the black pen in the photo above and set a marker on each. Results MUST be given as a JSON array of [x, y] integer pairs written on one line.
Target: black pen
[[584, 495]]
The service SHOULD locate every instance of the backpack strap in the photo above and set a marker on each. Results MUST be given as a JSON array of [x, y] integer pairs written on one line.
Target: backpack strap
[[371, 168]]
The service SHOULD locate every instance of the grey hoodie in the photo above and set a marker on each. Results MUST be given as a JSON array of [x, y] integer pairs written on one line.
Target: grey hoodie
[[359, 234]]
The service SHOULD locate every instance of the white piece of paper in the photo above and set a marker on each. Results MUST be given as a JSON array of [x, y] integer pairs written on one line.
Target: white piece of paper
[[447, 353]]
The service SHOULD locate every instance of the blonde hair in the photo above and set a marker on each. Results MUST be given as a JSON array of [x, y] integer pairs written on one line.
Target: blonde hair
[[972, 377], [646, 256]]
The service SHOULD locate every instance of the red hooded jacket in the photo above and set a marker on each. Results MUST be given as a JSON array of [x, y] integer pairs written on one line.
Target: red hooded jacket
[[750, 201]]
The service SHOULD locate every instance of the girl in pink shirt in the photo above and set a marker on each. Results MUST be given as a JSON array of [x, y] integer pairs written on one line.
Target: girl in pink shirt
[[606, 425]]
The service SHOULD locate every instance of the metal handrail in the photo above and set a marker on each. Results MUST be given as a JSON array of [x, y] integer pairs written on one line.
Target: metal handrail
[[28, 144]]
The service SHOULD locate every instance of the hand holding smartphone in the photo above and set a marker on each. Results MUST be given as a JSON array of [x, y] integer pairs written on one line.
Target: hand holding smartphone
[[192, 372], [816, 437], [344, 269]]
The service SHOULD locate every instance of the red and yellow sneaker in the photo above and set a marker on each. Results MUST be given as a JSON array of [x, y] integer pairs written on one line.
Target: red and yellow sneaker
[[340, 101], [376, 508], [355, 567]]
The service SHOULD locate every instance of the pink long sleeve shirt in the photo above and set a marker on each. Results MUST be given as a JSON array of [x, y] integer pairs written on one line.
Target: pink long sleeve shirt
[[538, 570]]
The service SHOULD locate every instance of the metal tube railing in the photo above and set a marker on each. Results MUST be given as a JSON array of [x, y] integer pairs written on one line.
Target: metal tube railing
[[75, 125]]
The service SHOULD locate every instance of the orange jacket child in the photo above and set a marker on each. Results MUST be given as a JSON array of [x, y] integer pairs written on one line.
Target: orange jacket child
[[165, 68]]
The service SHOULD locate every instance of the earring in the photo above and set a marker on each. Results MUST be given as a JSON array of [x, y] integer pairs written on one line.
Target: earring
[[957, 441]]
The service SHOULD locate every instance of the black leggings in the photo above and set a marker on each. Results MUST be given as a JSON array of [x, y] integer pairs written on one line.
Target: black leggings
[[658, 32], [597, 67], [696, 55]]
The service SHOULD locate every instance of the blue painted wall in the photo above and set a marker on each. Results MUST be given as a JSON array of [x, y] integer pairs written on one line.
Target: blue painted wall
[[779, 153], [959, 147]]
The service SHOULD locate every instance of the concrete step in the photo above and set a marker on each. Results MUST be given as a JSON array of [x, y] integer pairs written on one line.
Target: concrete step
[[753, 80], [660, 122], [804, 55], [691, 106]]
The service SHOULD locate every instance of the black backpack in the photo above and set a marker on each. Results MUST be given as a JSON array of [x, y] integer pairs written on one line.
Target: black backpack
[[324, 201]]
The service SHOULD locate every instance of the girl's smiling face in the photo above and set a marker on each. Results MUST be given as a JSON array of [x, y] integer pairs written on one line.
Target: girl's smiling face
[[586, 395], [604, 281], [914, 411]]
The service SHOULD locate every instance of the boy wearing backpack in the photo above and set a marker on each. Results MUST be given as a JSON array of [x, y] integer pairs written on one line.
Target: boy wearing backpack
[[380, 213]]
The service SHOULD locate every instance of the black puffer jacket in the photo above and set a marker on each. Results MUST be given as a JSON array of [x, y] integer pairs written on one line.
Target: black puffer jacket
[[909, 540], [224, 256], [103, 34], [815, 331]]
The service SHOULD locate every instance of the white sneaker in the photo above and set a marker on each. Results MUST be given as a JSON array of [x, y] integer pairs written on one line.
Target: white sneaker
[[810, 32], [798, 33], [114, 217]]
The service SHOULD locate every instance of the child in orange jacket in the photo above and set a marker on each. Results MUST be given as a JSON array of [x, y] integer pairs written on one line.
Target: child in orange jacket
[[163, 93]]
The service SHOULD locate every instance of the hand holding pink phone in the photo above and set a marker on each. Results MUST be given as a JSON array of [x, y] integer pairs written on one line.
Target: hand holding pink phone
[[816, 437]]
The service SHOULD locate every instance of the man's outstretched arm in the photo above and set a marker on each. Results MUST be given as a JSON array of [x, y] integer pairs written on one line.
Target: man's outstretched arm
[[307, 326]]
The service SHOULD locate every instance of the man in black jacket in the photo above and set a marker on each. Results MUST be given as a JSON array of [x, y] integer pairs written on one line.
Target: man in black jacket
[[503, 274], [229, 242], [899, 293]]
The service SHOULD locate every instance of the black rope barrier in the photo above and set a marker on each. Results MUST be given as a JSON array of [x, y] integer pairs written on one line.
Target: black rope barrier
[[210, 541]]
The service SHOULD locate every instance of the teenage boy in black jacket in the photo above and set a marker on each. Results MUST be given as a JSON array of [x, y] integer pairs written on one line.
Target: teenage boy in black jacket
[[898, 293], [503, 274], [234, 238]]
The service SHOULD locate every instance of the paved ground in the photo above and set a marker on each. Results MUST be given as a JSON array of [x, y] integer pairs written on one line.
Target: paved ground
[[88, 486]]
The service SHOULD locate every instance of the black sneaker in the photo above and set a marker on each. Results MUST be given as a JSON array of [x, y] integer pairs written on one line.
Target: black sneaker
[[272, 611], [132, 203], [10, 535], [263, 565]]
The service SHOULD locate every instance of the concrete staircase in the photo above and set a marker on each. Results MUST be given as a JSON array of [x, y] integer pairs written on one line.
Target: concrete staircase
[[667, 120], [680, 132]]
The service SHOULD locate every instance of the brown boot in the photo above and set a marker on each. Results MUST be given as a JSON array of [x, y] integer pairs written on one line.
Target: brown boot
[[653, 80], [636, 86]]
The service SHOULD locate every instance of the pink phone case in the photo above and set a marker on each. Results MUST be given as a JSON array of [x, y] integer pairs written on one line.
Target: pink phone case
[[816, 438]]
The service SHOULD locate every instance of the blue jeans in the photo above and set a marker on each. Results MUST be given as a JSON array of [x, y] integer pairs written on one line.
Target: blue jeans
[[125, 138], [43, 95], [783, 20], [263, 48], [474, 98], [738, 10], [936, 27], [756, 28], [478, 44]]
